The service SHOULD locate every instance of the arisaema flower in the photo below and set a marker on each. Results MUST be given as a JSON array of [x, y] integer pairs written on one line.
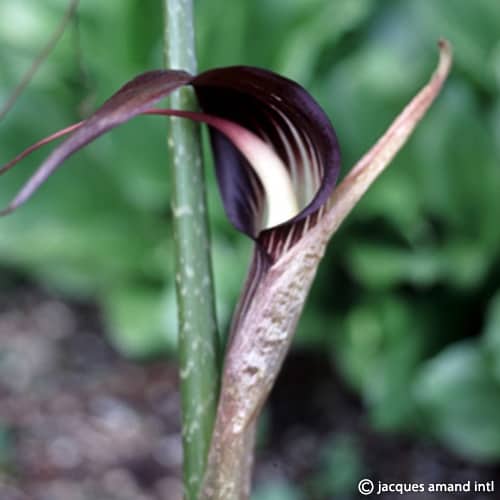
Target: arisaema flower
[[276, 154], [277, 161]]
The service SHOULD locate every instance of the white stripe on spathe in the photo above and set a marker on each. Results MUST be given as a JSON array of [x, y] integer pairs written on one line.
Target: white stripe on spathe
[[272, 173], [266, 163]]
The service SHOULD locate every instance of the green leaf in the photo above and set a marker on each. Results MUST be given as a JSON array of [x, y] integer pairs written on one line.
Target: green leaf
[[491, 334], [359, 94], [277, 490], [379, 351], [382, 266], [319, 28], [460, 401], [141, 320], [459, 180], [341, 468], [472, 28]]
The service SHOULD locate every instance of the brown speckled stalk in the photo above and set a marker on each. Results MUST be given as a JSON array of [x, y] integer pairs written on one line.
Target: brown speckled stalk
[[264, 335]]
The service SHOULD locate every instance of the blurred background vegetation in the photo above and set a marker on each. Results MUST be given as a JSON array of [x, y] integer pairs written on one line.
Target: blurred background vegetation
[[406, 303]]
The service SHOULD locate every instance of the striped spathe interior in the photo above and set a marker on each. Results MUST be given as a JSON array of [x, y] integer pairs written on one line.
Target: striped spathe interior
[[290, 121]]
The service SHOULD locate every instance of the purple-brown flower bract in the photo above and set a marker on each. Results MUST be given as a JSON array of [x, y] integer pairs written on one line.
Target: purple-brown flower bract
[[276, 154]]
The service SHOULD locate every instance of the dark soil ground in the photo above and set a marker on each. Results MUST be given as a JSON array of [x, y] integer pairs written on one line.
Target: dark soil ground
[[78, 422]]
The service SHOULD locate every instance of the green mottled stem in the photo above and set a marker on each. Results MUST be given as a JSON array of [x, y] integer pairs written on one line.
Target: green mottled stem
[[198, 338]]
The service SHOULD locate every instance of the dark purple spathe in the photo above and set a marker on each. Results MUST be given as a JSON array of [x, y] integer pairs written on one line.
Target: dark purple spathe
[[274, 108]]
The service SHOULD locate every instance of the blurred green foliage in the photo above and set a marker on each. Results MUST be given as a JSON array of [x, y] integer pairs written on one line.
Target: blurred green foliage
[[6, 450], [276, 491], [341, 468], [407, 299]]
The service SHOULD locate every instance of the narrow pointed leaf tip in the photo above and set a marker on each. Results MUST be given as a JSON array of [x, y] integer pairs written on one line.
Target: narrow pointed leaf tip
[[378, 158], [276, 155], [270, 307]]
